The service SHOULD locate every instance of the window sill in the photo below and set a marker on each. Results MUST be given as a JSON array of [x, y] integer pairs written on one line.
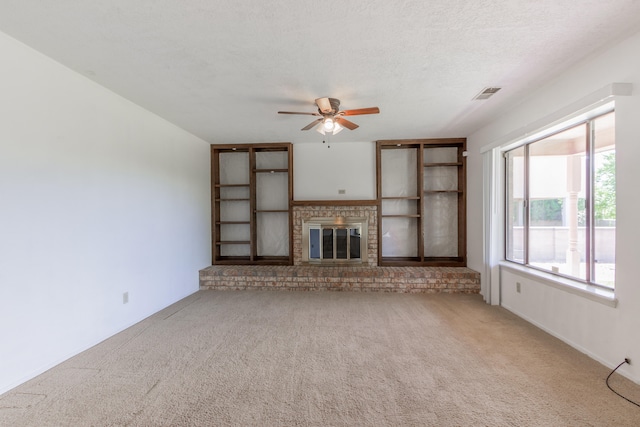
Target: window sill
[[594, 293]]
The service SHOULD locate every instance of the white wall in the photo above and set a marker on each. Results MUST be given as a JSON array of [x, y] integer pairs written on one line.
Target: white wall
[[319, 171], [97, 197], [608, 334]]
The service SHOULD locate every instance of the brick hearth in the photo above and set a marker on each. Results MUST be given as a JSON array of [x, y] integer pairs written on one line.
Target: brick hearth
[[389, 279]]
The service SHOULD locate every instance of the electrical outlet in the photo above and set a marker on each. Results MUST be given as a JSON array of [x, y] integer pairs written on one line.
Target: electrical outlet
[[518, 287], [125, 297], [626, 359], [341, 191]]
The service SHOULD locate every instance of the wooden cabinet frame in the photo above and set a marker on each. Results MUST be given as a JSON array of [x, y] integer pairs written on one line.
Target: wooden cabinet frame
[[216, 200], [419, 145]]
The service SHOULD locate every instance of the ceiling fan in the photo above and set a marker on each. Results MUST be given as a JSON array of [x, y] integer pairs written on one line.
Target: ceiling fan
[[331, 117]]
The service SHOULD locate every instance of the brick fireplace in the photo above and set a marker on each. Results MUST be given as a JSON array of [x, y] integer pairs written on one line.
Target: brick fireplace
[[308, 210]]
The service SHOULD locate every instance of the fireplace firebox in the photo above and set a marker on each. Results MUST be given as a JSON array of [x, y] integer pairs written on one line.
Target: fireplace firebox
[[335, 240]]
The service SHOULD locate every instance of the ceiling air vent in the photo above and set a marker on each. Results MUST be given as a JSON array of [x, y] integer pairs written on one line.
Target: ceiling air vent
[[486, 93]]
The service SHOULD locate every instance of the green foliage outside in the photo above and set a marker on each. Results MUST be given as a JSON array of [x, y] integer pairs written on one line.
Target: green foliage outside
[[546, 212], [605, 188]]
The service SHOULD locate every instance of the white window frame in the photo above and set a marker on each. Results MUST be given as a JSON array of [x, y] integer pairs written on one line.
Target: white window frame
[[586, 117]]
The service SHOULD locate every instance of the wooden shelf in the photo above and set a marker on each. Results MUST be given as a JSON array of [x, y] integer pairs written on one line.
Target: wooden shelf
[[234, 260], [441, 191], [232, 222], [244, 260], [334, 203], [400, 261], [232, 200], [435, 165], [401, 216], [232, 185], [271, 170], [425, 143], [426, 262], [271, 210], [234, 242], [401, 198]]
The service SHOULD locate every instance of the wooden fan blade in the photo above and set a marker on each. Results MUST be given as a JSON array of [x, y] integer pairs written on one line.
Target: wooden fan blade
[[297, 112], [312, 124], [346, 123], [360, 111], [324, 105]]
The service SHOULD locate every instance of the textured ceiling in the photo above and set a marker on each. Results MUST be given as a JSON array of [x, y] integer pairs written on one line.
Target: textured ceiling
[[222, 69]]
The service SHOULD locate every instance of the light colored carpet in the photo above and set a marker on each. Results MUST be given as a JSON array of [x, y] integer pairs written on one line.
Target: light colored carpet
[[257, 358]]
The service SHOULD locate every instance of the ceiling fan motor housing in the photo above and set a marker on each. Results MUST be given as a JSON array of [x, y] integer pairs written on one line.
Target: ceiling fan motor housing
[[328, 106], [335, 105]]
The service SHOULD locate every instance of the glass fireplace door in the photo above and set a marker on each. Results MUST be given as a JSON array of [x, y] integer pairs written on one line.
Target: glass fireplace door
[[337, 243]]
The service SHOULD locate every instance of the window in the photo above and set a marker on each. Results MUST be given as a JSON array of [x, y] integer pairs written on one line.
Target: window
[[561, 202]]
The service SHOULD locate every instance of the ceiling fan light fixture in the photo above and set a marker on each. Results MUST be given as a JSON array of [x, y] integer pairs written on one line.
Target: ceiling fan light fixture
[[329, 126]]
